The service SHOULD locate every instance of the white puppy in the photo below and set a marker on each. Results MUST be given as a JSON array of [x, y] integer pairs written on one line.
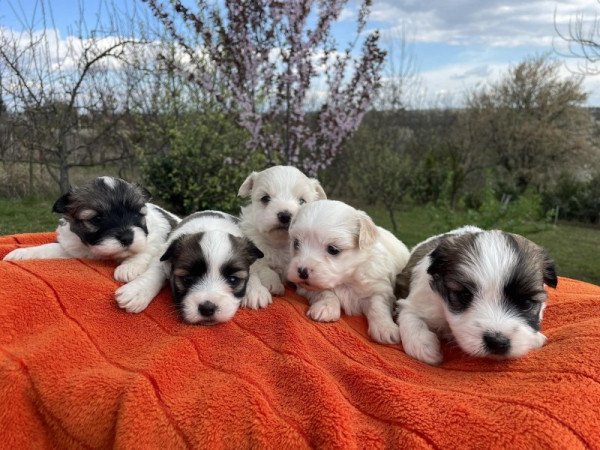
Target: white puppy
[[485, 289], [341, 259], [276, 194], [107, 218], [208, 262]]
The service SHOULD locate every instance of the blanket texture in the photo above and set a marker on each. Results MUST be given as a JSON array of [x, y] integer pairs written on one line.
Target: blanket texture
[[77, 372]]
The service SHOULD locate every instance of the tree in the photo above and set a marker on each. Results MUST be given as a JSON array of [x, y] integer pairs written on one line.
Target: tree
[[63, 95], [269, 60]]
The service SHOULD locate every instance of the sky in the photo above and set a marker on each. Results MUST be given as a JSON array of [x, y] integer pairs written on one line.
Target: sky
[[456, 45]]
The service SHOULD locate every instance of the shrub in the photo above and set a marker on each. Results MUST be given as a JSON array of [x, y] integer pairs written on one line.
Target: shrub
[[576, 200]]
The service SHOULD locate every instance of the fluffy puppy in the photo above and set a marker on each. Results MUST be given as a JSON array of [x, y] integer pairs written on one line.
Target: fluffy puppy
[[208, 263], [484, 289], [275, 195], [341, 259], [107, 218]]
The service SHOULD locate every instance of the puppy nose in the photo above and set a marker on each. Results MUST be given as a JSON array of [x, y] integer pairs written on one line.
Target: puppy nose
[[284, 217], [303, 273], [207, 309], [496, 343], [125, 237]]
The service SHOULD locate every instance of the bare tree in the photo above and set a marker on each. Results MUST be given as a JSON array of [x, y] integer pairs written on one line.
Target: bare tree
[[62, 94], [268, 59]]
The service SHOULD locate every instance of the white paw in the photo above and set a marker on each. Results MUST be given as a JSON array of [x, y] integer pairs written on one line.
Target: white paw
[[257, 297], [129, 271], [17, 254], [541, 340], [385, 333], [133, 297], [425, 347], [324, 311], [272, 282]]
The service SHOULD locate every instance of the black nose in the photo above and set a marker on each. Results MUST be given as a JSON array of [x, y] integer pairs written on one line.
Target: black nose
[[284, 217], [207, 309], [496, 343], [303, 273], [125, 237]]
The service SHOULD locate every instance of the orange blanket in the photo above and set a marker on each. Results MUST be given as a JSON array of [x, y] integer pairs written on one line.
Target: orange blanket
[[77, 372]]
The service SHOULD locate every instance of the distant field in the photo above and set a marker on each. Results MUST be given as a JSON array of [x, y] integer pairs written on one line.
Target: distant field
[[574, 247]]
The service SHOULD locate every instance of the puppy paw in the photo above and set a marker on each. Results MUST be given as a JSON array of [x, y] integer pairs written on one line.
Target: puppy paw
[[324, 311], [540, 340], [17, 254], [425, 347], [385, 333], [128, 271], [257, 297], [133, 297], [272, 282]]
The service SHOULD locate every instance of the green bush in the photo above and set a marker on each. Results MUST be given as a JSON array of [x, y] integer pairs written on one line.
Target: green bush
[[576, 200], [202, 163]]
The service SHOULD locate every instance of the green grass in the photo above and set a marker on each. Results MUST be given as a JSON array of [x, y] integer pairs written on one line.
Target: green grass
[[573, 247]]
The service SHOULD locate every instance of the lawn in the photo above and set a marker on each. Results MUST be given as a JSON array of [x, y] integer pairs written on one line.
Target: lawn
[[574, 247]]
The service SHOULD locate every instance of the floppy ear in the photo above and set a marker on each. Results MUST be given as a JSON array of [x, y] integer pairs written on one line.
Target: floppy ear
[[60, 205], [246, 187], [145, 192], [549, 270], [321, 195], [254, 251], [367, 232], [172, 250]]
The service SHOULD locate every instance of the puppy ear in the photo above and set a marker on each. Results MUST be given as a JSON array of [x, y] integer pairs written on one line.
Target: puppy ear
[[367, 232], [549, 270], [60, 205], [246, 187], [145, 192], [172, 250], [254, 251], [321, 195]]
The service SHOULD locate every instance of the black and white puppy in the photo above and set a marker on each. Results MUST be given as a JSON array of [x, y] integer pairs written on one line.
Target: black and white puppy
[[342, 260], [106, 218], [484, 289], [275, 194], [208, 262]]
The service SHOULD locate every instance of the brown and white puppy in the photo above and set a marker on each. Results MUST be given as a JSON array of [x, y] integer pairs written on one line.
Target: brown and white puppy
[[275, 195], [341, 259], [207, 260], [106, 218], [484, 289]]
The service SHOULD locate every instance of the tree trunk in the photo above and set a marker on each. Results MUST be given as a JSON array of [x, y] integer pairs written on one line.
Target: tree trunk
[[63, 180], [390, 210]]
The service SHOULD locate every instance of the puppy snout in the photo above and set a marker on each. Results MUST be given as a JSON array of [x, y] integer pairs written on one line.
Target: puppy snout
[[496, 343], [303, 273], [284, 217], [125, 237], [207, 309]]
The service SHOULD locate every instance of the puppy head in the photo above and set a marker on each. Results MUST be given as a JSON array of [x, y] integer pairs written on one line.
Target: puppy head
[[492, 284], [276, 195], [108, 215], [329, 241], [209, 274]]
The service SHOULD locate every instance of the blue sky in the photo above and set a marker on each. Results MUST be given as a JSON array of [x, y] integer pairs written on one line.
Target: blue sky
[[457, 45]]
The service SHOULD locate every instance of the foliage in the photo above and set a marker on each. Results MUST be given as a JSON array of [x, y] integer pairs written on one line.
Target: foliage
[[575, 199], [268, 59], [202, 164]]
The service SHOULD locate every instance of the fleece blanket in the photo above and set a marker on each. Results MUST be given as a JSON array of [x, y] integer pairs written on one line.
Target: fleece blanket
[[77, 372]]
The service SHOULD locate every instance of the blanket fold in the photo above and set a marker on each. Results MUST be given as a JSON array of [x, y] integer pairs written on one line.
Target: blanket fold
[[78, 372]]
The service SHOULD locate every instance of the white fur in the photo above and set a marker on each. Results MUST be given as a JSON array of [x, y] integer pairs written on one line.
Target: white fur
[[285, 186], [360, 278], [136, 296], [424, 314]]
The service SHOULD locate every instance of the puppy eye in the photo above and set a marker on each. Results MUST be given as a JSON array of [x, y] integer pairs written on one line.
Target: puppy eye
[[301, 201], [296, 244], [461, 298], [333, 250], [232, 280], [188, 279], [265, 199]]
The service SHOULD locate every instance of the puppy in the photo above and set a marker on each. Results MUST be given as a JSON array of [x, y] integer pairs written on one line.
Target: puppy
[[276, 194], [208, 262], [107, 218], [485, 289], [341, 259]]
